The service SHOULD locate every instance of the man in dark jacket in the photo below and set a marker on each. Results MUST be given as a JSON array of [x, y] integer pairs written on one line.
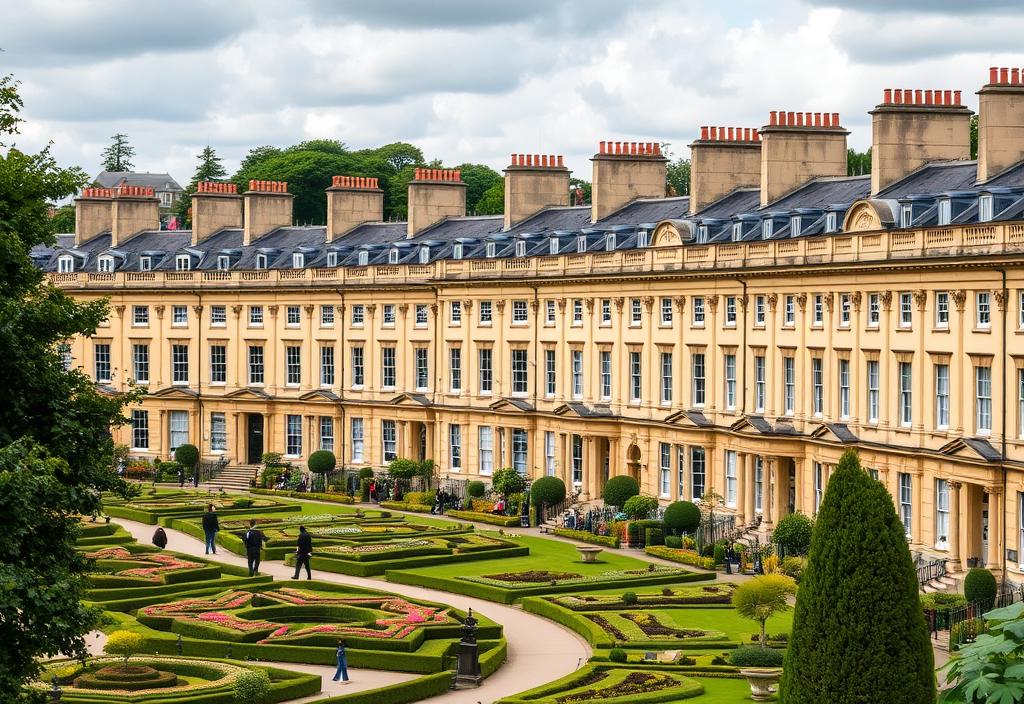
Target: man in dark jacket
[[302, 553], [210, 527], [253, 540], [160, 538]]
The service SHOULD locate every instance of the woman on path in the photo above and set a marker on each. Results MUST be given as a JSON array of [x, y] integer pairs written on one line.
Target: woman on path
[[342, 670]]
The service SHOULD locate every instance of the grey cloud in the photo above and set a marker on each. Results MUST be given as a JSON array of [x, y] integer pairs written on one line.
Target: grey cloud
[[937, 7]]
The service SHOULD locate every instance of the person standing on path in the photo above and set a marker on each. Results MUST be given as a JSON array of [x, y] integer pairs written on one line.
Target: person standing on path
[[302, 552], [253, 540], [160, 537], [342, 670], [210, 527]]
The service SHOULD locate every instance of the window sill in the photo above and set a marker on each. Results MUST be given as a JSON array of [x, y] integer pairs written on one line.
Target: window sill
[[940, 330], [697, 326], [212, 383], [982, 331], [218, 325]]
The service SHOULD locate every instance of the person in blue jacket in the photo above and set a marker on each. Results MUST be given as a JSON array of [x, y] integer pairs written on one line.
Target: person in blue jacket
[[342, 670]]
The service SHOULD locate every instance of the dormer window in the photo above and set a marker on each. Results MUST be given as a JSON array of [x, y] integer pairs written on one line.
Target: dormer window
[[65, 264], [490, 249], [702, 234], [298, 260], [766, 229], [261, 261], [737, 231], [643, 238], [105, 264], [985, 208], [145, 263], [332, 259], [581, 244], [223, 262], [830, 222], [553, 245], [945, 211], [520, 249], [424, 255], [609, 242], [183, 262], [457, 250], [363, 258], [906, 216], [392, 256], [795, 225]]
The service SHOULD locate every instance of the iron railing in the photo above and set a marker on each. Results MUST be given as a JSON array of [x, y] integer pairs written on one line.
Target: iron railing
[[930, 570]]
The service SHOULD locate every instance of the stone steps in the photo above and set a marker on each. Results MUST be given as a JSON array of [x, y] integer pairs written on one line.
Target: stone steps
[[233, 478], [947, 584]]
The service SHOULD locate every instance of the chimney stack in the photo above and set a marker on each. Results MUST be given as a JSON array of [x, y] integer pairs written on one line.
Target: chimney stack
[[722, 160], [351, 201], [534, 182], [1000, 122], [434, 194], [623, 172], [268, 206], [215, 206], [93, 214], [799, 146], [912, 127], [134, 209]]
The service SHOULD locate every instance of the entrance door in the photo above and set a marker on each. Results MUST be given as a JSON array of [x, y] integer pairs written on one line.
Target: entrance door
[[255, 437]]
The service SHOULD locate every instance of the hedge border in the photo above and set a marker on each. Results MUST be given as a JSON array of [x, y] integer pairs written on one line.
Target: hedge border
[[490, 518], [683, 557], [608, 541]]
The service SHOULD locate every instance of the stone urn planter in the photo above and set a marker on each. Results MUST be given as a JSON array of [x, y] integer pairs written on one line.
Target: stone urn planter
[[763, 682]]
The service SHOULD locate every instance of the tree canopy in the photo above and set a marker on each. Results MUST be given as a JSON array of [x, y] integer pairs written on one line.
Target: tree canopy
[[55, 445], [677, 178], [118, 156]]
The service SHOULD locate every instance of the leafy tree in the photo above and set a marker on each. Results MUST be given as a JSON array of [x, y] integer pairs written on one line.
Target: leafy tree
[[124, 643], [476, 489], [793, 532], [492, 202], [118, 156], [763, 597], [677, 177], [478, 179], [618, 490], [63, 220], [585, 186], [639, 507], [859, 634], [256, 156], [322, 462], [508, 481], [547, 491], [187, 455], [398, 155], [858, 163], [682, 517], [974, 136], [991, 669], [401, 468], [980, 586], [55, 444]]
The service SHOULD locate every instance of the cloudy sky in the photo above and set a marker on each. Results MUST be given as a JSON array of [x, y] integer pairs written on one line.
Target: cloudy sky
[[473, 80]]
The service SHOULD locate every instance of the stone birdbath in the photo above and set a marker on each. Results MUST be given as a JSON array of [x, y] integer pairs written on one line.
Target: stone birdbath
[[763, 682], [589, 553]]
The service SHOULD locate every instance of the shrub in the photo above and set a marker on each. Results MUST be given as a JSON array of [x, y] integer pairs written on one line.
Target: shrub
[[673, 541], [639, 506], [124, 643], [322, 462], [187, 455], [859, 571], [722, 659], [617, 655], [366, 473], [756, 656], [980, 586], [547, 491], [685, 660], [762, 597], [476, 489], [937, 601], [618, 490], [654, 536], [793, 532], [718, 552], [586, 536], [629, 598], [792, 567], [251, 687], [508, 481], [401, 468], [364, 489], [682, 517], [423, 498]]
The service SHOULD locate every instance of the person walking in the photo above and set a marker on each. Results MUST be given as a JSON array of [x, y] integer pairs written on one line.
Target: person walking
[[253, 540], [210, 527], [342, 670], [303, 552], [160, 537]]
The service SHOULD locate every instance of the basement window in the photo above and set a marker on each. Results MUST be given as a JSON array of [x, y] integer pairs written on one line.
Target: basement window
[[424, 255], [457, 250], [65, 264], [298, 260], [520, 249], [945, 211], [105, 264], [392, 256], [261, 261], [223, 262], [985, 208], [183, 262], [145, 263]]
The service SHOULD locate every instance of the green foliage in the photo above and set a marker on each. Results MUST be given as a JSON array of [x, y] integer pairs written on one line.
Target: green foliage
[[756, 656], [677, 177], [673, 541], [980, 586], [682, 517], [187, 455], [124, 644], [793, 532], [579, 191], [639, 506], [401, 468], [974, 136], [508, 481], [364, 488], [629, 598], [366, 473], [251, 687], [617, 655], [492, 202], [858, 163], [55, 444], [476, 489], [718, 553], [423, 498], [322, 462], [585, 536], [859, 634], [792, 567], [547, 491], [118, 156], [763, 597], [479, 179], [63, 220], [654, 536], [989, 669], [620, 489], [937, 601], [208, 168]]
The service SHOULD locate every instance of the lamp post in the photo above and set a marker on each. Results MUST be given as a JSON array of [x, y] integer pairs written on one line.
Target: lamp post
[[468, 664]]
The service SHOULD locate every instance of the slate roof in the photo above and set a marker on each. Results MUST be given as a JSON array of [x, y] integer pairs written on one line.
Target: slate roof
[[823, 192], [159, 182]]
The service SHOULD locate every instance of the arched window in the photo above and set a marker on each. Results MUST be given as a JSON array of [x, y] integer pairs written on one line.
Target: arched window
[[105, 263], [65, 264]]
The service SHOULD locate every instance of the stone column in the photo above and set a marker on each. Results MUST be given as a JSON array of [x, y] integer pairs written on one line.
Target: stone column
[[953, 561], [748, 487], [798, 484], [768, 484], [995, 518]]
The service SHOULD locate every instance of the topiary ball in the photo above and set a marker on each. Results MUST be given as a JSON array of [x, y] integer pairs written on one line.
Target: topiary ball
[[980, 586], [639, 507], [618, 490], [617, 655], [187, 455], [547, 491], [476, 489], [682, 517], [756, 656], [366, 473], [793, 532], [322, 462]]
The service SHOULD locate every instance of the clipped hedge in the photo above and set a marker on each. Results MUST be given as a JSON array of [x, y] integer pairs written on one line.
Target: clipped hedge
[[590, 631], [490, 518], [584, 536], [402, 506], [312, 495], [321, 561], [401, 693], [686, 557]]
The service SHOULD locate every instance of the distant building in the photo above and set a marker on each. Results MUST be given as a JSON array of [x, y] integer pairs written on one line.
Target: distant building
[[164, 187]]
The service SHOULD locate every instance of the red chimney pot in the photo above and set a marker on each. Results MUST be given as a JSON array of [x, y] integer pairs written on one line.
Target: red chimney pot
[[1004, 75]]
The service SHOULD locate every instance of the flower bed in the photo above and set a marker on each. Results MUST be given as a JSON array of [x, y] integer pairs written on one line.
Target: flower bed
[[511, 580], [594, 684], [677, 596], [686, 557]]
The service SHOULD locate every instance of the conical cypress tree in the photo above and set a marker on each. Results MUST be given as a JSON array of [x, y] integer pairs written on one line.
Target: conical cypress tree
[[859, 634]]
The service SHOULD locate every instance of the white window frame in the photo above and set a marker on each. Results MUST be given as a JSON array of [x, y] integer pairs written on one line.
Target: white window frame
[[983, 400], [485, 446], [731, 481], [293, 435], [66, 264], [666, 378], [357, 439], [729, 368], [942, 310], [183, 262], [905, 372], [983, 310], [942, 396], [455, 447], [388, 440]]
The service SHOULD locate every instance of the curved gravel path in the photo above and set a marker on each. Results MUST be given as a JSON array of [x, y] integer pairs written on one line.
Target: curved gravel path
[[538, 650]]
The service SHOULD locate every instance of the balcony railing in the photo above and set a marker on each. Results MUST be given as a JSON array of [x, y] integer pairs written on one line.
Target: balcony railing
[[956, 241]]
